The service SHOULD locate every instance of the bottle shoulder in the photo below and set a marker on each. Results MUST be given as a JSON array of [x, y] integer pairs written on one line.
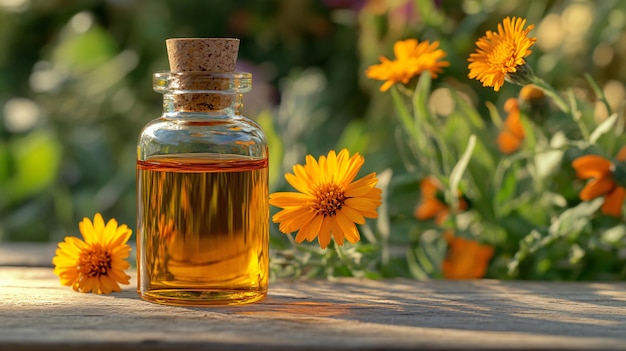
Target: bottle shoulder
[[237, 127], [184, 134]]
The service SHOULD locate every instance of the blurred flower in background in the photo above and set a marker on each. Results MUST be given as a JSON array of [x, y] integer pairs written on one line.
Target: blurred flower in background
[[607, 178], [466, 259], [411, 59], [432, 203], [501, 54], [512, 135]]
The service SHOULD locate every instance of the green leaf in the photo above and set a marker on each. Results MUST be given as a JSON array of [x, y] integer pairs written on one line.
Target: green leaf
[[603, 128], [574, 219], [430, 14], [414, 267], [421, 113], [355, 137], [576, 253], [468, 110], [402, 111], [614, 235], [417, 125], [527, 246], [496, 119], [5, 162], [576, 114], [506, 191], [549, 161], [37, 159], [571, 221], [599, 92], [85, 51], [424, 260], [459, 169]]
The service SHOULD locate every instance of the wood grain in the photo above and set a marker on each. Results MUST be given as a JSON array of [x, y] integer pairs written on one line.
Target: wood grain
[[349, 314]]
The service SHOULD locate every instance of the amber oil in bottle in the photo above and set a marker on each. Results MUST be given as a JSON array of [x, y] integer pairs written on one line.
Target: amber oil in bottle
[[202, 190]]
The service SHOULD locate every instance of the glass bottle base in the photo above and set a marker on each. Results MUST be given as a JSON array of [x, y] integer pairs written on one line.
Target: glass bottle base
[[205, 297]]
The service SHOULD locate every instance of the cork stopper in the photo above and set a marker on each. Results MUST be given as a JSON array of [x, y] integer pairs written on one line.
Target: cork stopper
[[202, 54], [198, 55]]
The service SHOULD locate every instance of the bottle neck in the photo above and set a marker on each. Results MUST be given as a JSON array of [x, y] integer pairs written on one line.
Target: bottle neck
[[227, 104], [202, 93]]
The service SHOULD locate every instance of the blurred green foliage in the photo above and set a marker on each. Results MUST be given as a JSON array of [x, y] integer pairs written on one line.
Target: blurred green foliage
[[75, 90]]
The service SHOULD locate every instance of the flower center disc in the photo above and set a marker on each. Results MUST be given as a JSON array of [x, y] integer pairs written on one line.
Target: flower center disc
[[95, 262], [328, 199], [503, 56]]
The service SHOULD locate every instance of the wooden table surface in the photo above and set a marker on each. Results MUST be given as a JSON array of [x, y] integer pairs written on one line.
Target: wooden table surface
[[37, 313]]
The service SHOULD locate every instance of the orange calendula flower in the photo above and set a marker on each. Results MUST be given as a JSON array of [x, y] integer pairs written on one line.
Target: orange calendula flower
[[431, 204], [603, 182], [329, 201], [466, 259], [97, 263], [412, 58], [531, 93], [512, 135], [501, 54]]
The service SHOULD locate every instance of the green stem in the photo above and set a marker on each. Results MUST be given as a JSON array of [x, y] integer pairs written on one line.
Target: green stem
[[599, 93], [549, 90], [576, 115], [342, 256]]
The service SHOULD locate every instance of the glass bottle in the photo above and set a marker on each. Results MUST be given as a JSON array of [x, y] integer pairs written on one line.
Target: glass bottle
[[202, 195]]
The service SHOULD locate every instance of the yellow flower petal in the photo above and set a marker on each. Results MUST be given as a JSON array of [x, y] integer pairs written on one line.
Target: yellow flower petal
[[352, 166], [387, 85], [107, 285], [289, 199], [361, 205], [87, 230], [323, 238], [403, 49], [98, 226], [312, 167], [362, 186], [336, 230], [119, 276], [353, 215], [121, 236], [109, 231], [291, 219], [87, 285], [348, 229], [330, 167], [299, 183], [310, 230]]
